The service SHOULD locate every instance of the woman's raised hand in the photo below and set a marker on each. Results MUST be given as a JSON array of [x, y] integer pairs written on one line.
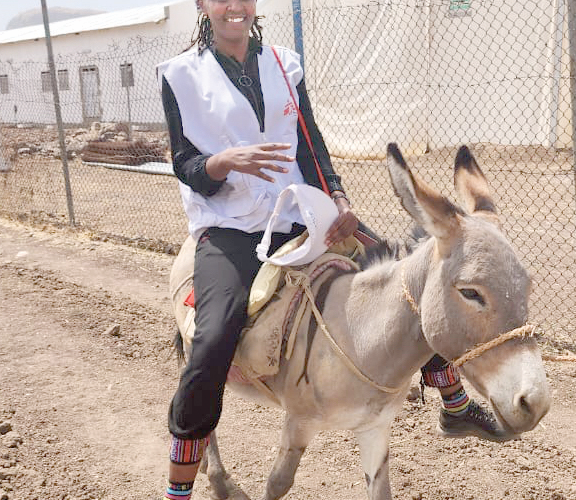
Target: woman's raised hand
[[253, 160]]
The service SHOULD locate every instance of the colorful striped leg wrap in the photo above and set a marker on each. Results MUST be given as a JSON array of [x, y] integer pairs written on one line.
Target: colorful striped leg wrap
[[187, 451], [178, 491], [445, 377], [184, 452], [456, 403]]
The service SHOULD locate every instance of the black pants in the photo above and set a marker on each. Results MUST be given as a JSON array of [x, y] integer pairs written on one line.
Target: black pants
[[225, 267]]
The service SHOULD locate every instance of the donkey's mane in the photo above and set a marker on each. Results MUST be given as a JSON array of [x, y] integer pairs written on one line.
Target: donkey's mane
[[382, 252], [388, 250]]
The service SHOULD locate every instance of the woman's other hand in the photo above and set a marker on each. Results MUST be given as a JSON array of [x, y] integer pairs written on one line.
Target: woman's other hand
[[344, 225], [253, 160]]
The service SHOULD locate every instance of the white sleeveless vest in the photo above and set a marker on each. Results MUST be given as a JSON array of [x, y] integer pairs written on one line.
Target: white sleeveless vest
[[216, 116]]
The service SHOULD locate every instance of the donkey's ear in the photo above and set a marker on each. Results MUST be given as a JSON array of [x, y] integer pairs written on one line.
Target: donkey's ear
[[435, 213], [472, 187], [403, 183]]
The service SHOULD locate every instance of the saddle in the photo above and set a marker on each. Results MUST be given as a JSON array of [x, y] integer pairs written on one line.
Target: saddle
[[267, 331]]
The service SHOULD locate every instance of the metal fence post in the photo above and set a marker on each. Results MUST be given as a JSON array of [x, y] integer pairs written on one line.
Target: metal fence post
[[572, 43], [63, 153], [4, 162], [298, 33]]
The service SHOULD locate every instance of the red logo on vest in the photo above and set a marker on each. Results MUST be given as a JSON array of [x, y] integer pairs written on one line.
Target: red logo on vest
[[289, 108]]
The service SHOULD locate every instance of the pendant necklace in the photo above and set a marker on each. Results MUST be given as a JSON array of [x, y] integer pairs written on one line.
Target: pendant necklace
[[244, 80]]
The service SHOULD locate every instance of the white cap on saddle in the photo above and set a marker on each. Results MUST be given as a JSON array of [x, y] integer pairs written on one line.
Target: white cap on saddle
[[318, 212]]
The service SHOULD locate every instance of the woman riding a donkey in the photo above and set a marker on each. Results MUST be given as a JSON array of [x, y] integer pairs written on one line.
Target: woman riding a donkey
[[236, 144]]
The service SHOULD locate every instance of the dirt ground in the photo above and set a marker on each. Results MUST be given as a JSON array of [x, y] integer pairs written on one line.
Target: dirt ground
[[87, 372]]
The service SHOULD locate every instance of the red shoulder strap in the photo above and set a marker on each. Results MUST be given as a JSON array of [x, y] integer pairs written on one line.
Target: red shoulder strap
[[361, 236], [303, 125]]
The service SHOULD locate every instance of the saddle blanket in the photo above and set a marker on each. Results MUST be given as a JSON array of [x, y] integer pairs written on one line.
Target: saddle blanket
[[277, 307]]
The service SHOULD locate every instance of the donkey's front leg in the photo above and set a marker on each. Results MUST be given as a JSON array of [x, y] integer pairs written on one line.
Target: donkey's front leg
[[375, 454], [221, 486], [295, 438]]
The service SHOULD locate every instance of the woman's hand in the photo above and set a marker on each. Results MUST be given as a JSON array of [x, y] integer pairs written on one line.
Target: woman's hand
[[252, 160], [344, 225]]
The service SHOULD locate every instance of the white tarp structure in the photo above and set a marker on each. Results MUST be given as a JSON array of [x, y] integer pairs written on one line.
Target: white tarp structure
[[415, 73], [95, 22]]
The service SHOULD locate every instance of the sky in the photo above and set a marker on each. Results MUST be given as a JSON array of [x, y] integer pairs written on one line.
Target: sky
[[10, 8]]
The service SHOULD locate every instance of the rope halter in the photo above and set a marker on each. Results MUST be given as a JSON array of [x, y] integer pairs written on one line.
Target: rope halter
[[524, 331]]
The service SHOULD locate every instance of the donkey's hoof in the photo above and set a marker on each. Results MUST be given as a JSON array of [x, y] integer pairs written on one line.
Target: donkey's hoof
[[226, 489], [238, 494], [233, 495]]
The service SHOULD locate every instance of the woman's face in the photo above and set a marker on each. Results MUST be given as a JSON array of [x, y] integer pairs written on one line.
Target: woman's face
[[231, 19]]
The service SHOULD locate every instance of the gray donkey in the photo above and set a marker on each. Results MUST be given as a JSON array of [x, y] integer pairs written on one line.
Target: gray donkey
[[462, 288]]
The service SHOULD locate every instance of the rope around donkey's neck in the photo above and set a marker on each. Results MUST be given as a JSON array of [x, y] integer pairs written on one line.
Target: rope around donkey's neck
[[522, 331]]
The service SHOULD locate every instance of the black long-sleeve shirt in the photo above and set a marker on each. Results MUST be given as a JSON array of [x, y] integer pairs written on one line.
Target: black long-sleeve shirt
[[190, 163]]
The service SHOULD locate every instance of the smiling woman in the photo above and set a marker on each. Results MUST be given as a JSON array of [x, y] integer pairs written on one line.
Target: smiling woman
[[231, 20], [231, 107]]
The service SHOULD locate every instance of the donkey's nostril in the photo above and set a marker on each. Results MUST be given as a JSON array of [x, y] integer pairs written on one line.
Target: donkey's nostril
[[521, 402]]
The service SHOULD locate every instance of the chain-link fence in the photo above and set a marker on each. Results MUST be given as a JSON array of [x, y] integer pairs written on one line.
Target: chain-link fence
[[428, 74]]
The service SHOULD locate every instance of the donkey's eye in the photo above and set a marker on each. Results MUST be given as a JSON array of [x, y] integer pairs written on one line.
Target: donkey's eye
[[472, 294]]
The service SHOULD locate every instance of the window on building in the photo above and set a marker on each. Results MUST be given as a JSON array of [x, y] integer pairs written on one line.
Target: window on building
[[63, 82], [46, 81], [458, 8], [4, 88], [127, 75]]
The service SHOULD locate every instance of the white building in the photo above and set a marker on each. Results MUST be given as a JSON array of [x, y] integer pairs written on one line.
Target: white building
[[105, 65]]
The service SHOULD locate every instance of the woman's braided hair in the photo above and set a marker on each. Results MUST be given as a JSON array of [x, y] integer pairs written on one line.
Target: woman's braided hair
[[203, 34]]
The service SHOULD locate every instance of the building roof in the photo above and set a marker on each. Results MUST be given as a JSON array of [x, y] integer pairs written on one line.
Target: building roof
[[108, 20]]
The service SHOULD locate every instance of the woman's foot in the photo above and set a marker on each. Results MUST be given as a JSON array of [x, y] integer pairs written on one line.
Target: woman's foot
[[476, 421]]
